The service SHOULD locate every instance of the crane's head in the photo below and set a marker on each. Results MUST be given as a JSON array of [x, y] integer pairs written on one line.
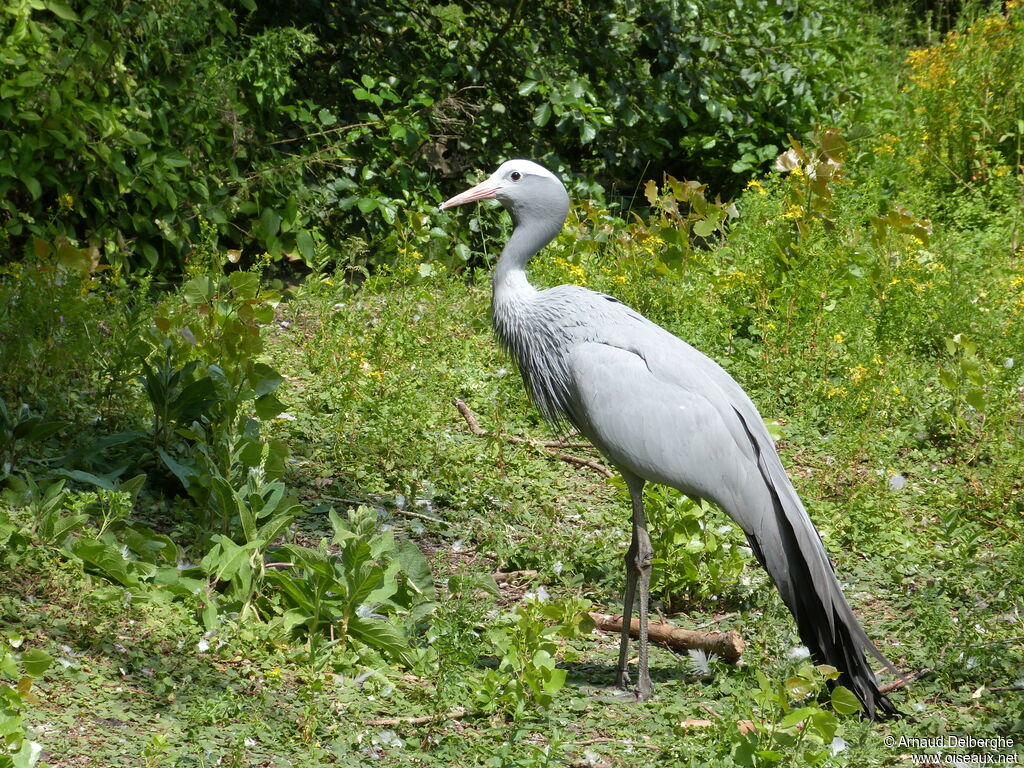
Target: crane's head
[[530, 192]]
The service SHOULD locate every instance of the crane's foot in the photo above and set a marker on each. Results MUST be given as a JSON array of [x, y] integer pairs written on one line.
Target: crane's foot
[[617, 696], [644, 692], [624, 692]]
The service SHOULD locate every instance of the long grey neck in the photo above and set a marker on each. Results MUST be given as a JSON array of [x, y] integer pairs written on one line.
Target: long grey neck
[[511, 286]]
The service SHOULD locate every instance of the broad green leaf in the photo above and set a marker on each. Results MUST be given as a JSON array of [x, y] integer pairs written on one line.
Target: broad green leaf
[[271, 221], [198, 290], [35, 662], [382, 636], [527, 87], [268, 406], [30, 79], [32, 184], [797, 716], [304, 242], [226, 559], [267, 380], [976, 399], [705, 227], [415, 567], [948, 380], [62, 10], [245, 285], [799, 687], [99, 481], [542, 115], [555, 681], [104, 559], [844, 702], [186, 473], [294, 617]]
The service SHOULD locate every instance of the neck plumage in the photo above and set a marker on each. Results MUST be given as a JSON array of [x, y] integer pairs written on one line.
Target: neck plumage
[[523, 325]]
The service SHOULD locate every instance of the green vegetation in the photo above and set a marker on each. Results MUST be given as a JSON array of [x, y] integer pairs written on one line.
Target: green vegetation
[[242, 520]]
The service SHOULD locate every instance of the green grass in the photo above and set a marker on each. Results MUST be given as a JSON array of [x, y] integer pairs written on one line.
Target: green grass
[[371, 376], [889, 361]]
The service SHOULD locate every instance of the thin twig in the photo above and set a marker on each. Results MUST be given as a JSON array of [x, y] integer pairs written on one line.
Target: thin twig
[[548, 446], [502, 577], [717, 620], [596, 466], [455, 714]]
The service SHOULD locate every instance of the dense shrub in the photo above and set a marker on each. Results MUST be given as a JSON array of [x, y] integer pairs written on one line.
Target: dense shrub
[[137, 130], [124, 127]]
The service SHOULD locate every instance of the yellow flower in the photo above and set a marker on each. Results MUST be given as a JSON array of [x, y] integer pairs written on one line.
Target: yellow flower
[[858, 373], [836, 392], [66, 202], [795, 212], [838, 338], [757, 186]]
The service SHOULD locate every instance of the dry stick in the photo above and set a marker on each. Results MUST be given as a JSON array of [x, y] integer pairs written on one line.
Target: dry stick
[[903, 682], [549, 446], [455, 714], [727, 645]]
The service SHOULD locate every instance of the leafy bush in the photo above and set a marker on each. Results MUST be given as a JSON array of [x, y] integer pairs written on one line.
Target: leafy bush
[[124, 128], [527, 642], [18, 671], [351, 594], [18, 430], [787, 723], [694, 558], [143, 130]]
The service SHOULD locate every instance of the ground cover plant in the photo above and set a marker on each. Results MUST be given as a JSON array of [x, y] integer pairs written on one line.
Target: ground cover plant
[[254, 517]]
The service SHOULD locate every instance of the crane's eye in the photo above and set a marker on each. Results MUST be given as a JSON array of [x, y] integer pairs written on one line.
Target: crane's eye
[[515, 175]]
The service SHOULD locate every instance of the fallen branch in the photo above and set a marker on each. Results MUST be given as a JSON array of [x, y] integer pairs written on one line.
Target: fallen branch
[[726, 645], [903, 682], [455, 714], [550, 447]]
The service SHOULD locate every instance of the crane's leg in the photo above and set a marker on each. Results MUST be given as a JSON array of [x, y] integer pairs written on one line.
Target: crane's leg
[[638, 573], [622, 675]]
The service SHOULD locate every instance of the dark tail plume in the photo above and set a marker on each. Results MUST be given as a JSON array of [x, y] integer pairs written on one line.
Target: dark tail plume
[[792, 553]]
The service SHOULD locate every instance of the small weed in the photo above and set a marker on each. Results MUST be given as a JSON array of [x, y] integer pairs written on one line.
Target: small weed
[[528, 642], [787, 723]]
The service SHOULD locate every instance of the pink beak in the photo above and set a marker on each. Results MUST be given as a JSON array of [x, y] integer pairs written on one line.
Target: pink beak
[[484, 191]]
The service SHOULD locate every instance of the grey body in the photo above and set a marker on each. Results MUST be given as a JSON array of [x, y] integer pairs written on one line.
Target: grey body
[[661, 411]]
